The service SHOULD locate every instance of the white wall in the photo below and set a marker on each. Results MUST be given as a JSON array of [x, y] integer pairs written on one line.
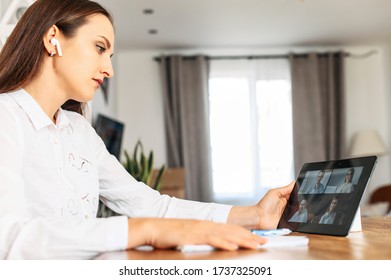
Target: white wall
[[140, 103], [367, 100], [367, 96]]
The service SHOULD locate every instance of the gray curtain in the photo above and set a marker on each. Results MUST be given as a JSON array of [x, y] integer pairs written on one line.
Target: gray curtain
[[318, 107], [186, 110]]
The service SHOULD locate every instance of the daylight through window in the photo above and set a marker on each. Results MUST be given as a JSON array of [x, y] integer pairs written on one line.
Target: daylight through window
[[251, 128]]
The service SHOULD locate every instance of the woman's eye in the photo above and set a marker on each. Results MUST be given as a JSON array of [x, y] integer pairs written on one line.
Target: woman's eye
[[100, 49]]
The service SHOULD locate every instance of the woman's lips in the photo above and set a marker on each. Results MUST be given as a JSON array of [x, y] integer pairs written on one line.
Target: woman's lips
[[98, 81]]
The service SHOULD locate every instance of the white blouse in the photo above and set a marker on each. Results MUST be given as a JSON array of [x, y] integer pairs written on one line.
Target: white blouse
[[51, 180]]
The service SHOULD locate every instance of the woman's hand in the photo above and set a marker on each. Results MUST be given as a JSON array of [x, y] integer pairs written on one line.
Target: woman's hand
[[266, 213], [169, 233]]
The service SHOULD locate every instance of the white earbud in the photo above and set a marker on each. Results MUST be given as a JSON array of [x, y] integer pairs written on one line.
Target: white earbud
[[56, 43]]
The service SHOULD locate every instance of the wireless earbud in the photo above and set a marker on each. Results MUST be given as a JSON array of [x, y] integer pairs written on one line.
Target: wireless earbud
[[56, 43]]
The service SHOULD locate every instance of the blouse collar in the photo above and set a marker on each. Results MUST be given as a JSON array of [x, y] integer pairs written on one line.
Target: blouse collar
[[37, 116]]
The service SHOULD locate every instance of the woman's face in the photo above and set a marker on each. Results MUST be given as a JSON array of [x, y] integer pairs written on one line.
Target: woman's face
[[86, 59], [333, 204], [349, 176]]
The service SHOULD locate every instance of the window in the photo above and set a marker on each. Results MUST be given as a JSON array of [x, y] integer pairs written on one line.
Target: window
[[251, 128]]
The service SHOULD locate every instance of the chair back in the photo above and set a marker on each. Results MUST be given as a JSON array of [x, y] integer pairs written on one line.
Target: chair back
[[383, 193]]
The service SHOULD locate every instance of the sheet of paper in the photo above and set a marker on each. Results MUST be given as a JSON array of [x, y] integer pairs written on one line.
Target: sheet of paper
[[285, 241]]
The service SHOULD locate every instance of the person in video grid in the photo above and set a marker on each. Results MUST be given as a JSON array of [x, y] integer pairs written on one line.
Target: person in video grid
[[317, 187], [329, 216], [347, 186], [301, 215]]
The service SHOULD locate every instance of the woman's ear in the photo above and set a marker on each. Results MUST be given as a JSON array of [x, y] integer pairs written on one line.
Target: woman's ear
[[50, 47]]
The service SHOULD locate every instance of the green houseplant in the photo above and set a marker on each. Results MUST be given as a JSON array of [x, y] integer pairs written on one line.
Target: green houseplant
[[140, 166]]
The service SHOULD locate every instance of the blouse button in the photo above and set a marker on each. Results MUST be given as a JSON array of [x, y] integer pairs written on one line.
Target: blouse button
[[87, 216]]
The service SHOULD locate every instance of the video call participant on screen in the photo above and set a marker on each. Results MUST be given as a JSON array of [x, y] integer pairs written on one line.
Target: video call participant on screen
[[329, 216], [317, 187], [347, 186], [301, 215]]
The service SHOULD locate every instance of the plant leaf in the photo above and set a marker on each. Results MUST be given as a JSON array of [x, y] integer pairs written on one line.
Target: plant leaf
[[157, 183], [141, 167], [149, 169], [126, 163]]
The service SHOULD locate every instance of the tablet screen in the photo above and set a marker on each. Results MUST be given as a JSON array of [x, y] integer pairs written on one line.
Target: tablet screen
[[326, 196]]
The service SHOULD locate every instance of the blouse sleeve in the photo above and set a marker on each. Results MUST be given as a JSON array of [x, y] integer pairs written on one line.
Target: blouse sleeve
[[123, 194]]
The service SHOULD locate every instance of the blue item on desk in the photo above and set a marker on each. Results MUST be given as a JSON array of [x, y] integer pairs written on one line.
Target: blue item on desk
[[272, 232]]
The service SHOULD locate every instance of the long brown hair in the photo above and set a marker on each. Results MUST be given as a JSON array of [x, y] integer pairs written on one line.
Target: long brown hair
[[23, 52]]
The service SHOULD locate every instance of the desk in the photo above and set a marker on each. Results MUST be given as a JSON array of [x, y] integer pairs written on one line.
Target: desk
[[374, 242]]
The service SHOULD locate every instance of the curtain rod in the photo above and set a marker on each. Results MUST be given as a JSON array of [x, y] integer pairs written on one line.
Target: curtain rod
[[250, 57]]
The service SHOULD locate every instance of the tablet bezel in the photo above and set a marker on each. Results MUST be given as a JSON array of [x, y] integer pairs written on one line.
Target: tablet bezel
[[348, 203]]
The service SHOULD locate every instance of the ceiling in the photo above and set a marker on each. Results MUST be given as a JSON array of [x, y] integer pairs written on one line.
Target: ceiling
[[249, 23]]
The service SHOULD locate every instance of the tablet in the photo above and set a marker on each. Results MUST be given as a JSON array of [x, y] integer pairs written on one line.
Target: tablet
[[327, 195]]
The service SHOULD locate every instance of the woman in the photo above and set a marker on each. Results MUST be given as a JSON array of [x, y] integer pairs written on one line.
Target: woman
[[54, 168], [330, 214], [347, 186]]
